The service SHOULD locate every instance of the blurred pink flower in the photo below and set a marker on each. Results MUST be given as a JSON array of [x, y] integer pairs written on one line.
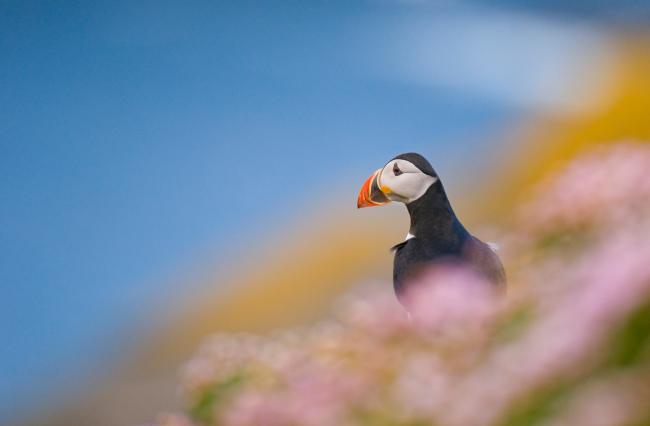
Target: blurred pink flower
[[312, 397], [450, 296], [373, 309], [607, 185], [618, 399]]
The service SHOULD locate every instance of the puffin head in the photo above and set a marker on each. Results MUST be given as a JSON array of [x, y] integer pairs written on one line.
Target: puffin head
[[405, 178]]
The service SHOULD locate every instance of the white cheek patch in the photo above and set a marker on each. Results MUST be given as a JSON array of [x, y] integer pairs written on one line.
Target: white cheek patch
[[414, 185], [408, 186]]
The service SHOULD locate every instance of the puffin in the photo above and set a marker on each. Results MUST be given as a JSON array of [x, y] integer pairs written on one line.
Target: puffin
[[436, 235]]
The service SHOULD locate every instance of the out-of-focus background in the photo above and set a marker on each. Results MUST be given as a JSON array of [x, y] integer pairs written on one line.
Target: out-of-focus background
[[171, 169]]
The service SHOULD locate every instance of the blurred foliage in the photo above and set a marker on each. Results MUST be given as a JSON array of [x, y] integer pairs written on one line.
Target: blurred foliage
[[203, 408], [631, 344]]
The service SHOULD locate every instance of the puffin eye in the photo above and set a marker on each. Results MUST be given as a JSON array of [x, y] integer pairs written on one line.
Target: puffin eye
[[396, 170]]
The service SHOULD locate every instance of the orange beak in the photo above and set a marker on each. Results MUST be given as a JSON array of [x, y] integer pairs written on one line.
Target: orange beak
[[371, 194]]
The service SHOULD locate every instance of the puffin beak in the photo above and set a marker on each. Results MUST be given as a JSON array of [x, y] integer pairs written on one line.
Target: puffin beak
[[371, 194]]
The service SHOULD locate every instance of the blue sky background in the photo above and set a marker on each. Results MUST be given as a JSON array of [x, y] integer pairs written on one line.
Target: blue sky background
[[137, 137]]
